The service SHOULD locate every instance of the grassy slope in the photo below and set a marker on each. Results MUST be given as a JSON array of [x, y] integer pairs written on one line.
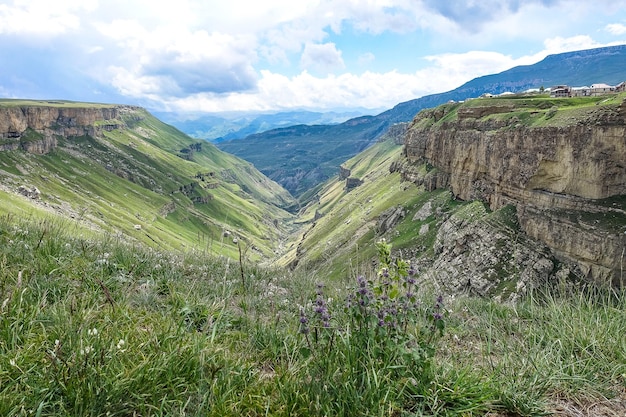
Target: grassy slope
[[340, 243], [134, 177], [316, 151], [538, 110], [92, 326]]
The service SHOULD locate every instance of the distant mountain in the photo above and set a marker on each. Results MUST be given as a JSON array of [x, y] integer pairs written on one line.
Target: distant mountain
[[227, 126], [301, 157]]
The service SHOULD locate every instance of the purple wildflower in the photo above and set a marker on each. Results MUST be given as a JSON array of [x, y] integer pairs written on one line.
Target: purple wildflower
[[320, 288], [304, 322]]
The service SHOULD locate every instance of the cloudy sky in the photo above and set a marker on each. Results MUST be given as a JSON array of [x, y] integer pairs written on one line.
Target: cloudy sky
[[225, 55]]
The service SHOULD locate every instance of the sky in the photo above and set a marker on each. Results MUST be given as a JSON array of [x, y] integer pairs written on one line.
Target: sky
[[277, 55]]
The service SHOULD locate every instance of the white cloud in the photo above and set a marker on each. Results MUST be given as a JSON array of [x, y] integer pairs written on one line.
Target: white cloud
[[173, 61], [459, 68], [321, 57], [42, 17], [616, 28], [370, 90], [219, 55], [558, 44]]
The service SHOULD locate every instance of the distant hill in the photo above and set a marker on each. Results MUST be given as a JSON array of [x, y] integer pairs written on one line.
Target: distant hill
[[228, 126], [301, 157]]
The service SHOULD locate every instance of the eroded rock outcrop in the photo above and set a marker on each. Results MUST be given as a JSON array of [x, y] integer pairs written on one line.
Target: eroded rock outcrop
[[567, 180], [352, 183], [476, 253], [35, 128], [344, 172]]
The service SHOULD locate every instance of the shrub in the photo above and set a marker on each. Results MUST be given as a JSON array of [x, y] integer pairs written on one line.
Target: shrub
[[550, 113]]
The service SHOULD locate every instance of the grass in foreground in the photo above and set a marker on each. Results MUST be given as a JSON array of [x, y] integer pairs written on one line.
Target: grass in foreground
[[99, 327]]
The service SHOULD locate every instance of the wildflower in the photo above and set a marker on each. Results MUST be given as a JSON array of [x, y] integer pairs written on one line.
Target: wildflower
[[439, 301], [320, 287], [12, 362], [120, 344], [92, 332], [350, 301], [86, 350], [304, 322]]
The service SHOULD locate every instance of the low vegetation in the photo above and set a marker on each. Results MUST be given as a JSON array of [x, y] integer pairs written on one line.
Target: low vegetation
[[95, 326]]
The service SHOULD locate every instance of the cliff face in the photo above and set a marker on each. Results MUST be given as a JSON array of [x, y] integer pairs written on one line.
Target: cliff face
[[566, 178], [36, 128]]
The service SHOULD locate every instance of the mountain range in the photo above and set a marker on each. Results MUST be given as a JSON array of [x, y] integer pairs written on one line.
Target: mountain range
[[302, 157], [219, 127]]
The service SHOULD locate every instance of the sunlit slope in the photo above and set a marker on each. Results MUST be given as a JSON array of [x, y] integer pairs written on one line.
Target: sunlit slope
[[147, 181], [341, 235]]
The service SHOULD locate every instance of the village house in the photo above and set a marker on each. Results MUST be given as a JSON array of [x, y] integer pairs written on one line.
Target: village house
[[561, 91], [581, 91], [600, 89]]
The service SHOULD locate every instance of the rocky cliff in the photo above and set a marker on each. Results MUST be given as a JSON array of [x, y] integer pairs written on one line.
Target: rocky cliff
[[36, 127], [561, 163]]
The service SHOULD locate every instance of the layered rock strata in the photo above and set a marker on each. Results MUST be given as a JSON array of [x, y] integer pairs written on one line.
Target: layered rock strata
[[37, 128], [568, 181]]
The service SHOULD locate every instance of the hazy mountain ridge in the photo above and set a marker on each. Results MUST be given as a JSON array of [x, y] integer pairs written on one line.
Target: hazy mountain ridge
[[220, 127], [307, 166]]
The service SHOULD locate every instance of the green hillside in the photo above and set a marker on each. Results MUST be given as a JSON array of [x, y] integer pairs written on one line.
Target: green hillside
[[148, 182], [302, 157], [340, 226]]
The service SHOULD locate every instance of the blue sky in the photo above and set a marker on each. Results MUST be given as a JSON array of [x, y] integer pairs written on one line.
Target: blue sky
[[273, 55]]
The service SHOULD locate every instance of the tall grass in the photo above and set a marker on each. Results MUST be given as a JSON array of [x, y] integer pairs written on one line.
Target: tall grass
[[94, 326]]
